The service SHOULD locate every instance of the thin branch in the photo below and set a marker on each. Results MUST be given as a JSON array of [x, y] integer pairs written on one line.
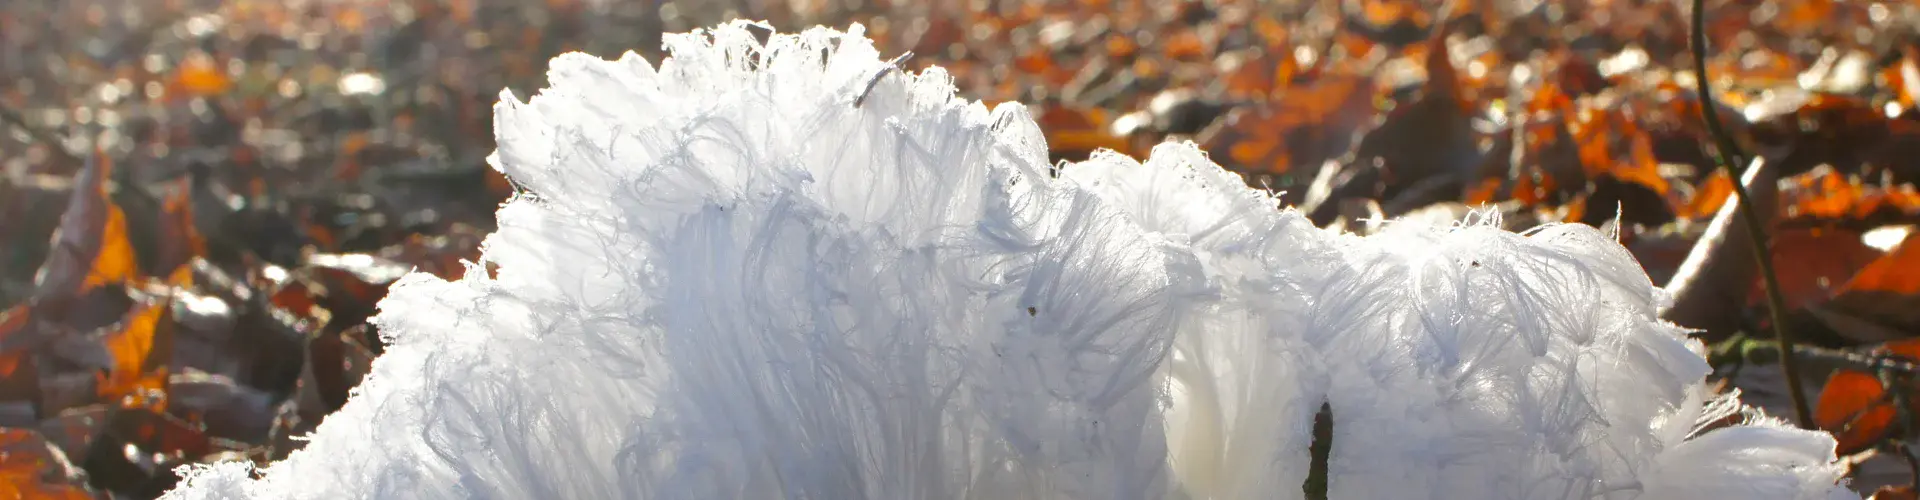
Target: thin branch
[[43, 136], [1729, 155]]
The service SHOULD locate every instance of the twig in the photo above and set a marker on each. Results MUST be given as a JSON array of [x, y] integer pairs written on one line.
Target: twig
[[875, 82], [40, 135], [1857, 361], [1729, 154]]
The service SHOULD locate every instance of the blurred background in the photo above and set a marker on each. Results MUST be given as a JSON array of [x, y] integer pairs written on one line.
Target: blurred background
[[202, 200]]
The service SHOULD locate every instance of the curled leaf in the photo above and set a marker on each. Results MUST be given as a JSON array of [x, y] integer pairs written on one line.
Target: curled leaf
[[90, 248]]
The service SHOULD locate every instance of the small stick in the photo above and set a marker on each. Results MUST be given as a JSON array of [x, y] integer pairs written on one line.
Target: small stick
[[1729, 156], [875, 82]]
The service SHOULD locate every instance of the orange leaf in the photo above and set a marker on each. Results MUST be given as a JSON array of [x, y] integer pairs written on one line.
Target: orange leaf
[[1908, 85], [1074, 131], [1383, 13], [90, 248], [1855, 407], [28, 463], [1575, 210], [1184, 46], [1260, 76], [1815, 263], [1121, 46], [141, 351], [1709, 196], [1306, 124], [198, 75], [1484, 192], [1829, 195], [1640, 166], [13, 322], [1896, 272]]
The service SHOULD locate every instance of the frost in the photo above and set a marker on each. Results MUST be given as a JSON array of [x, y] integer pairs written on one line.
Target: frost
[[727, 281]]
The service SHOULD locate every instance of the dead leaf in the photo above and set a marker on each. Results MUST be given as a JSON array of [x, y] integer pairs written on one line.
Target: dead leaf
[[1886, 291], [1813, 263], [1856, 408], [90, 248], [141, 349], [31, 468], [1708, 196], [179, 238]]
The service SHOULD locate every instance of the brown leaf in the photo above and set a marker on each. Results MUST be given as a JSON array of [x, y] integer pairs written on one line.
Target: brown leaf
[[179, 238], [1550, 169], [1813, 263], [338, 362], [1424, 149], [1856, 408], [74, 430], [13, 328], [1885, 292], [1840, 131], [1304, 125], [90, 248], [1896, 272], [1895, 493], [31, 468], [1077, 132]]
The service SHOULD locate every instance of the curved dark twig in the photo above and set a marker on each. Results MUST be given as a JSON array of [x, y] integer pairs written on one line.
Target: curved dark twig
[[1728, 156], [892, 66]]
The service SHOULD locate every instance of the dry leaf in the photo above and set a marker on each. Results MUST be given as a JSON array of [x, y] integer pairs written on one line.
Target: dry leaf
[[141, 350], [1856, 408], [31, 468], [91, 248], [1813, 263]]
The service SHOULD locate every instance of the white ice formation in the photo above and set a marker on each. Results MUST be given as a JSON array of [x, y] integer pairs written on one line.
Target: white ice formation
[[728, 281]]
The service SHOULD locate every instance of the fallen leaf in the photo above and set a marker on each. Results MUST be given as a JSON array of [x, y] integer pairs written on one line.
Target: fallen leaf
[[1856, 408], [179, 239], [90, 248], [31, 468], [1886, 291], [1813, 263], [1708, 196], [141, 350]]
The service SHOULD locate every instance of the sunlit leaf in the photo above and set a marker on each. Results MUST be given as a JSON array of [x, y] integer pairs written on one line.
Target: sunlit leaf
[[1709, 196], [1856, 408], [91, 247], [1303, 126], [1816, 262], [140, 350]]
